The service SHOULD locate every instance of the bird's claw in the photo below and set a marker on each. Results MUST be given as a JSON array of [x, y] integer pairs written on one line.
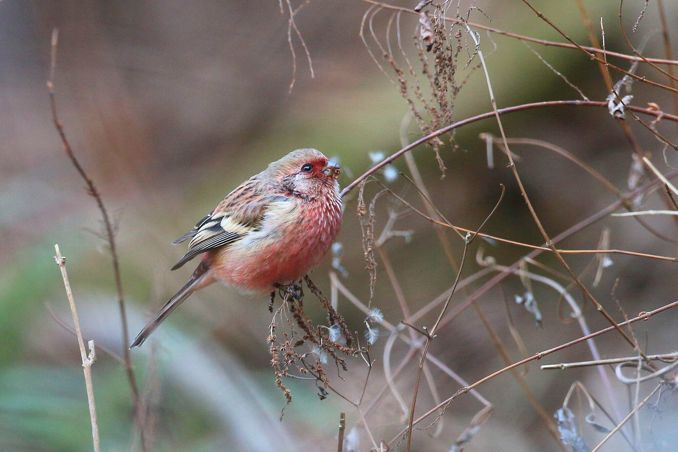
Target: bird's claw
[[292, 291]]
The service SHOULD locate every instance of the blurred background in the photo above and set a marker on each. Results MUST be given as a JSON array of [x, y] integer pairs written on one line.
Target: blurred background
[[169, 105]]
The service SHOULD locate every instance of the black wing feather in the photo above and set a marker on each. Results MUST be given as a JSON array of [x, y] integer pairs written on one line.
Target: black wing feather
[[190, 234], [221, 239], [248, 215]]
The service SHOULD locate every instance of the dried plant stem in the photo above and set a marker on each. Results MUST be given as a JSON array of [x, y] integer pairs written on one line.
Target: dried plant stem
[[110, 233], [642, 316], [557, 72], [528, 203], [563, 366], [660, 176], [292, 26], [72, 331], [86, 358], [445, 242], [670, 213], [668, 51], [395, 333], [628, 133], [636, 52], [431, 333], [537, 221], [627, 417], [669, 61], [628, 205], [595, 57], [500, 111], [605, 66], [400, 296], [593, 38], [576, 313], [520, 379], [459, 229], [583, 224]]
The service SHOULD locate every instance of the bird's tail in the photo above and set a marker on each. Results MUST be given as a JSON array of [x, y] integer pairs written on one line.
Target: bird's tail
[[198, 280]]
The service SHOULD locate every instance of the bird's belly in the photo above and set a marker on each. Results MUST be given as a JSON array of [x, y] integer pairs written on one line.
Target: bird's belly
[[277, 256]]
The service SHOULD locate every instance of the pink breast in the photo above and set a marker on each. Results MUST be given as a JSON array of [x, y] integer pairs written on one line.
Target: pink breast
[[297, 247]]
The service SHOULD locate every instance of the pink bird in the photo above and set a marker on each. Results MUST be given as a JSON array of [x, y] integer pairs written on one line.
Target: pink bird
[[268, 232]]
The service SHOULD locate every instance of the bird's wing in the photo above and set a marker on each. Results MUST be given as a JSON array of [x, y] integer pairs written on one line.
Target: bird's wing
[[241, 212]]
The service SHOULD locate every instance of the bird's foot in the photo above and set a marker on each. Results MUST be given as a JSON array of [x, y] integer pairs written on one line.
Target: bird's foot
[[292, 291]]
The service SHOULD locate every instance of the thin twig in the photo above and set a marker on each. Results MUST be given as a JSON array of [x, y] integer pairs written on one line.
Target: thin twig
[[628, 416], [605, 66], [636, 52], [86, 358], [660, 176], [435, 213], [537, 221], [593, 56], [433, 330], [459, 229], [557, 72], [292, 26], [574, 229], [593, 38], [641, 316], [528, 203], [666, 357], [564, 45], [108, 225], [596, 50], [668, 51], [628, 205], [68, 328], [490, 114], [646, 212]]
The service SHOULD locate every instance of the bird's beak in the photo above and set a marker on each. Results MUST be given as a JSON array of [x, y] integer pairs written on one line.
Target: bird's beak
[[332, 170]]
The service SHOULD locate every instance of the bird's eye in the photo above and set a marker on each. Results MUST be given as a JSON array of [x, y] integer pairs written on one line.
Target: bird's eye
[[307, 167]]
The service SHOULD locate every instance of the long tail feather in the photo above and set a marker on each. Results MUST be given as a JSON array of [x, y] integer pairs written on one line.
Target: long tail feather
[[198, 277]]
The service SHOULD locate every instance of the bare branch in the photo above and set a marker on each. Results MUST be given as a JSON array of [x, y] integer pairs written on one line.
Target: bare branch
[[86, 358], [108, 225]]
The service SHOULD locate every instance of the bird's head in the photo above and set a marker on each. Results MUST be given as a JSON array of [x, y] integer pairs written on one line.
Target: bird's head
[[307, 172]]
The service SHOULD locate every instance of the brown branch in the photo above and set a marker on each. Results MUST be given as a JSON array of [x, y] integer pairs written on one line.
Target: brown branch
[[432, 331], [435, 213], [628, 416], [490, 114], [669, 61], [108, 225], [595, 174], [592, 55], [583, 224], [459, 229], [542, 230], [536, 356], [666, 357], [668, 51], [537, 221], [636, 52], [602, 67]]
